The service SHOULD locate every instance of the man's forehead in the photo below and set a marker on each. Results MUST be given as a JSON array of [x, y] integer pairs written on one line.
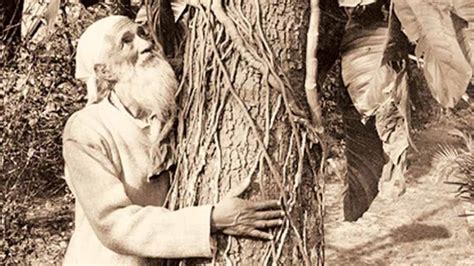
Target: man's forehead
[[123, 26], [93, 45]]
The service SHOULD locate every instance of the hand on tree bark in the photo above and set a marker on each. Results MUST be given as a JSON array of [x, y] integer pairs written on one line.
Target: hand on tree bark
[[238, 217]]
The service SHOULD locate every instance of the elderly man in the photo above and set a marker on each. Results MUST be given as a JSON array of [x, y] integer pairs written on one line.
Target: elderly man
[[118, 160]]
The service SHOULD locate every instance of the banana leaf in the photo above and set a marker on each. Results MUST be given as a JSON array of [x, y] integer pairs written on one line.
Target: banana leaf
[[430, 25], [464, 9]]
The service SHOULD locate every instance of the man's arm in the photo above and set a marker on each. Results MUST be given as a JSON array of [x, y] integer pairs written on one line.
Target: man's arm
[[119, 224], [150, 231]]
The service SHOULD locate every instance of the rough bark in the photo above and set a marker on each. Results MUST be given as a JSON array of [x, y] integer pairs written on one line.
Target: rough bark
[[236, 127]]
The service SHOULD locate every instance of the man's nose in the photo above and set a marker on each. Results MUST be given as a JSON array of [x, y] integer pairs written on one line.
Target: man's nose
[[143, 44]]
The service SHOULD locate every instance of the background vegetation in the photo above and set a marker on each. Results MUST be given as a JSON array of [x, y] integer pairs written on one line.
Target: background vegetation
[[39, 93]]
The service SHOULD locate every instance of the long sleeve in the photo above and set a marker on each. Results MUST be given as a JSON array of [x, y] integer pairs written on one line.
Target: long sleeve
[[125, 228]]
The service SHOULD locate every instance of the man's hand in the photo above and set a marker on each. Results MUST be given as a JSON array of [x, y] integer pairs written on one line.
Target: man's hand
[[234, 216]]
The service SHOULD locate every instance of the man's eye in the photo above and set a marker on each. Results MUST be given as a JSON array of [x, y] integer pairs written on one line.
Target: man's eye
[[127, 38], [142, 32]]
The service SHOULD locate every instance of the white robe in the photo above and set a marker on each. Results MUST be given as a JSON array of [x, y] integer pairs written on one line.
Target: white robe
[[118, 218]]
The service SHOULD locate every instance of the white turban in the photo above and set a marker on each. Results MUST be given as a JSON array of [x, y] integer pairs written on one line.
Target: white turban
[[92, 50]]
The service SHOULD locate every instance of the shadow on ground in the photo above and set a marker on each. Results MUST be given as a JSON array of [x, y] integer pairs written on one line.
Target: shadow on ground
[[421, 227]]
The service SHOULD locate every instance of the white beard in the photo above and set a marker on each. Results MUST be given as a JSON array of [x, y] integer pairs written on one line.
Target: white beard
[[150, 85]]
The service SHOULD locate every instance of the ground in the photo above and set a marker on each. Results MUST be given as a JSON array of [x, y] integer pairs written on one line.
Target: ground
[[421, 227]]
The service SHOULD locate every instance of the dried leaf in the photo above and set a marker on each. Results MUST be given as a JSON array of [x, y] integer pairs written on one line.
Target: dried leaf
[[30, 153], [391, 127], [403, 104], [50, 107]]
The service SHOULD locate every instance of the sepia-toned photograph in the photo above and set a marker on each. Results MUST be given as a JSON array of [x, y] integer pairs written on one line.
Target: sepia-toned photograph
[[237, 132]]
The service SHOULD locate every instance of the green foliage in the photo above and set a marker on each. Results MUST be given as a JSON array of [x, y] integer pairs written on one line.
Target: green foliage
[[39, 94], [374, 69], [375, 66], [465, 10], [457, 165], [431, 26], [366, 77]]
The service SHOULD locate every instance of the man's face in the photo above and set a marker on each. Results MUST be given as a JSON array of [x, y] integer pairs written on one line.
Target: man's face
[[130, 45], [144, 77]]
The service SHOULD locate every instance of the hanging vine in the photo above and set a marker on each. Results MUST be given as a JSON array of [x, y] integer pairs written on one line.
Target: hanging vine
[[220, 40]]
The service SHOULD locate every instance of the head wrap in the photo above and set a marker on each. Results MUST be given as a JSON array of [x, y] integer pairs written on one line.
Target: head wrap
[[92, 49]]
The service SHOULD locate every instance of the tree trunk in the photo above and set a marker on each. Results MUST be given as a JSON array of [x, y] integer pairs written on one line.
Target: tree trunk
[[242, 78]]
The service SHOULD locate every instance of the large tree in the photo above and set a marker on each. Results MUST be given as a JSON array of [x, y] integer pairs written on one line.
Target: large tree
[[244, 126]]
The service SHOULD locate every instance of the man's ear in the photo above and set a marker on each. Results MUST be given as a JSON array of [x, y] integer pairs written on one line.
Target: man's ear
[[102, 72], [105, 80]]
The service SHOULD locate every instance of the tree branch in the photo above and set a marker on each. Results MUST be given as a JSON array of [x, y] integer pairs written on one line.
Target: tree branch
[[310, 84]]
